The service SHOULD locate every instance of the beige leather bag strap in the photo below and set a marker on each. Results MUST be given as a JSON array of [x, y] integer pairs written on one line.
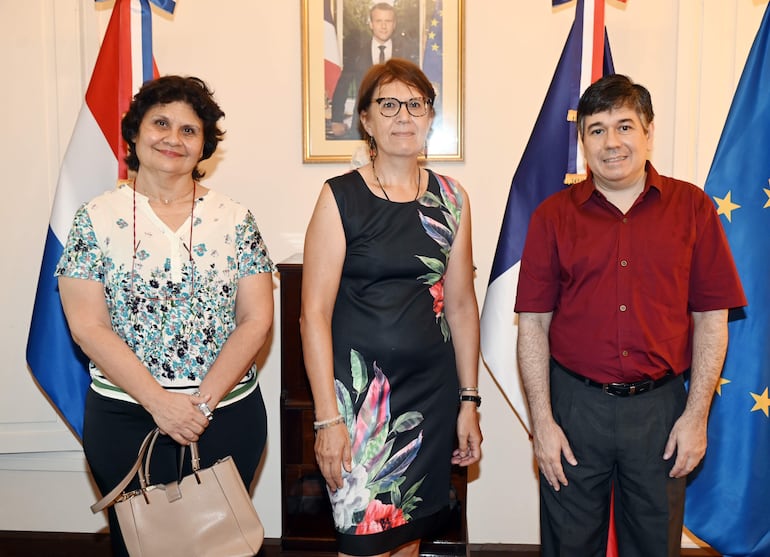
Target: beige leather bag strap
[[110, 498], [144, 472]]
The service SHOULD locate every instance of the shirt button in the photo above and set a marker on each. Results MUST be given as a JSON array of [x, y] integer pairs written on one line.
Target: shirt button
[[623, 263], [625, 352], [625, 220], [623, 307]]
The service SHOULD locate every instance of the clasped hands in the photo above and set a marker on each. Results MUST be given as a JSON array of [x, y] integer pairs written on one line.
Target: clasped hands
[[181, 416]]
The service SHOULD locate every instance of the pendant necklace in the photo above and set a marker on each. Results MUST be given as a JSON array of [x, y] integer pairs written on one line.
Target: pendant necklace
[[192, 216], [168, 201], [417, 193]]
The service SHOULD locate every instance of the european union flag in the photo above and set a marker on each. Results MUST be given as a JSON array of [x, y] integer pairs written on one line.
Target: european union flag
[[433, 57], [727, 501]]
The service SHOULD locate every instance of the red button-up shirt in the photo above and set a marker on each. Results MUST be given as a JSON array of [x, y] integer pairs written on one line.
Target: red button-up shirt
[[621, 286]]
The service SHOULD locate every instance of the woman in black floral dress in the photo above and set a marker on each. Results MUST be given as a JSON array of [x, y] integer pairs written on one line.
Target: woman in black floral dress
[[390, 327]]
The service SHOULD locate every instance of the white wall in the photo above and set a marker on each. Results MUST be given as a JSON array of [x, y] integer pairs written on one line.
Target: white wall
[[688, 53]]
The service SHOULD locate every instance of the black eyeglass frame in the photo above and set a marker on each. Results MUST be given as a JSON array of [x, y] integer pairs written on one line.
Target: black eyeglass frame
[[427, 104]]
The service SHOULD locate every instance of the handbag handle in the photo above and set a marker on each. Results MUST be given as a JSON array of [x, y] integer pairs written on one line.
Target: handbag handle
[[144, 474]]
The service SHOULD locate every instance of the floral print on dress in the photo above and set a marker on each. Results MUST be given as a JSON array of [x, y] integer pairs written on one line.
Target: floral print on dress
[[451, 204], [371, 499]]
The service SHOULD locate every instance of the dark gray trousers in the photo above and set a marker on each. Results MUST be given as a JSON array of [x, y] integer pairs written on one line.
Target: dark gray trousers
[[618, 439]]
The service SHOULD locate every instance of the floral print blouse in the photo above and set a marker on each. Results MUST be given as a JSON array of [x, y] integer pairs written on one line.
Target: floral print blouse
[[172, 297]]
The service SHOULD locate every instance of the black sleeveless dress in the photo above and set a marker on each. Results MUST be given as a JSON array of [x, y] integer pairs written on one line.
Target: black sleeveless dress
[[394, 364]]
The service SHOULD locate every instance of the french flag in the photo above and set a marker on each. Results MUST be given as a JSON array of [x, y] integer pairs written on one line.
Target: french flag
[[332, 61], [552, 160], [92, 164]]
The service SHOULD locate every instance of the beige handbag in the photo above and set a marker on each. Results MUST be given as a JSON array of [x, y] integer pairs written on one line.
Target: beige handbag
[[208, 514]]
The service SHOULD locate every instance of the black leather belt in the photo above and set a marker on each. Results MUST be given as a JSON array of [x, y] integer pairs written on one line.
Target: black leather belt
[[621, 389]]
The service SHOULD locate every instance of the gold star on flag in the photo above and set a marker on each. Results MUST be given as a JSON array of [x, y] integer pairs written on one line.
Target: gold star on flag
[[434, 23], [431, 35], [722, 381], [725, 206], [762, 402], [767, 203]]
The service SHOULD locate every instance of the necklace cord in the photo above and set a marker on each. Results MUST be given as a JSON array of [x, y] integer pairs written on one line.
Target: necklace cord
[[419, 184], [135, 244]]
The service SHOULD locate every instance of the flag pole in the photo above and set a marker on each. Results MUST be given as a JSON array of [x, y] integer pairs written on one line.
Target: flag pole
[[91, 165]]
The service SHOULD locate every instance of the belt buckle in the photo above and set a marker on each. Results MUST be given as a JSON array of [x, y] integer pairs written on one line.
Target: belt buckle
[[617, 389], [628, 389], [644, 386]]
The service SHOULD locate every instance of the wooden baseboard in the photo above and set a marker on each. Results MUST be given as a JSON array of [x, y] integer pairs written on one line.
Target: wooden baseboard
[[73, 544], [54, 544]]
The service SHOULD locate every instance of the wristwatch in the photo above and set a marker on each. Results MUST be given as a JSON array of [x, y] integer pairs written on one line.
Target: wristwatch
[[206, 411], [471, 398]]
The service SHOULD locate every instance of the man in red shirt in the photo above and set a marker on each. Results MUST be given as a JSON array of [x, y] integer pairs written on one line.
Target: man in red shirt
[[625, 284]]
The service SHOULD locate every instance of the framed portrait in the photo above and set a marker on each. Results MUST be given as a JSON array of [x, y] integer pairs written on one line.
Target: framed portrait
[[341, 39]]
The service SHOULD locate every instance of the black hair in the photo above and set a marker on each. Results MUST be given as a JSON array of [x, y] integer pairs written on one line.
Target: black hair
[[165, 90], [611, 92]]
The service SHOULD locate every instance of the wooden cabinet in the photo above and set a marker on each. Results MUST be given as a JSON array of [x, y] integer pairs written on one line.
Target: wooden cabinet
[[307, 523]]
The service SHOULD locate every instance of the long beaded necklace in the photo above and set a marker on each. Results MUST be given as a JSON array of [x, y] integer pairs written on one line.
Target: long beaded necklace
[[189, 247], [417, 193]]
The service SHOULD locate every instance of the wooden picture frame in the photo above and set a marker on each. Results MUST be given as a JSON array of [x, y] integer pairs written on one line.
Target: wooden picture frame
[[333, 30]]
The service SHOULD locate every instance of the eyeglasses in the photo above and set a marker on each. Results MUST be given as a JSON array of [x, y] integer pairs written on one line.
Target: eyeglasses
[[390, 107]]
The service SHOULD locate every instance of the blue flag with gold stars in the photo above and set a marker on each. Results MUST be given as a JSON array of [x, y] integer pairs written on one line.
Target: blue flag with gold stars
[[433, 57], [728, 500]]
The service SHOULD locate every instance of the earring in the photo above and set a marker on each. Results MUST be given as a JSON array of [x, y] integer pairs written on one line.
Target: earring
[[372, 148]]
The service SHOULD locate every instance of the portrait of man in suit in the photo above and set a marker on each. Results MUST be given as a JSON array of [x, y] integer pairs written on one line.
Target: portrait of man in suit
[[381, 40]]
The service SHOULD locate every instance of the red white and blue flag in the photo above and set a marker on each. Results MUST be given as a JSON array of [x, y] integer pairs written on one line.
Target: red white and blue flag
[[552, 160], [332, 60], [92, 164]]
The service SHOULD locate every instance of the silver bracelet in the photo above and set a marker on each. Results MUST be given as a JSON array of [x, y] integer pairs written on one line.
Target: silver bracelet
[[323, 424]]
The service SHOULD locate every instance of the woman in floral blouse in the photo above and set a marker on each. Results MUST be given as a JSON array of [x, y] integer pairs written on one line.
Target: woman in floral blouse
[[167, 288]]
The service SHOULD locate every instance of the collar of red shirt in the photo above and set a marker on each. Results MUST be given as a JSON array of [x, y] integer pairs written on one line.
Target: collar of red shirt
[[582, 191]]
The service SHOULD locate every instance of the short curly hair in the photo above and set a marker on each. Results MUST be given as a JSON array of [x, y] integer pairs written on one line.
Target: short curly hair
[[169, 89]]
